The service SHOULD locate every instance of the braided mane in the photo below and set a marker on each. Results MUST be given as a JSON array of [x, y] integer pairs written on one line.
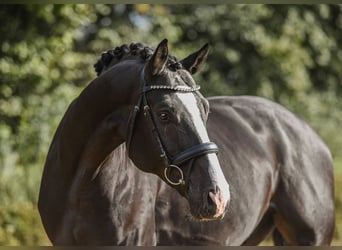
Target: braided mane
[[132, 51]]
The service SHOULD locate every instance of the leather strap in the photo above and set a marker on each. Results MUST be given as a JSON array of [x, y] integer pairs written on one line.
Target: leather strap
[[195, 151], [188, 154]]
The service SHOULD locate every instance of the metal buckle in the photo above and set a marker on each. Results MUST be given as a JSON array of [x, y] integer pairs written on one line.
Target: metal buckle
[[181, 180]]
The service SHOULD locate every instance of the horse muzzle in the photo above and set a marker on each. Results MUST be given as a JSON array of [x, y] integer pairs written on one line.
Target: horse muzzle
[[211, 206]]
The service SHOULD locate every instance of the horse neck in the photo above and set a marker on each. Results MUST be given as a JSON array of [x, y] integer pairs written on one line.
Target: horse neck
[[95, 124]]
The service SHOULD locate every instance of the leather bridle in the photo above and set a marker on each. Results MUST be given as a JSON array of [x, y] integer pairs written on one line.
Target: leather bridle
[[180, 158]]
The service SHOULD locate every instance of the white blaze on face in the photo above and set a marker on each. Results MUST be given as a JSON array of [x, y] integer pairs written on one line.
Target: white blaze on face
[[190, 104]]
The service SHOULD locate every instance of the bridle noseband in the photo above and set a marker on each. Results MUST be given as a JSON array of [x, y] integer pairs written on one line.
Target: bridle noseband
[[180, 158]]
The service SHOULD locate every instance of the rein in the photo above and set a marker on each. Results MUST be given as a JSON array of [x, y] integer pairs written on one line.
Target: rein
[[180, 158]]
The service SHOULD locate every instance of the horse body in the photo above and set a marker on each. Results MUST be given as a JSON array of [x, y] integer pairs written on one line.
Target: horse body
[[279, 173]]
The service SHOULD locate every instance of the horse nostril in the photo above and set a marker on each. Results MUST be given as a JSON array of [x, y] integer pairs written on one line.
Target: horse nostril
[[213, 192], [214, 189], [214, 196], [212, 199]]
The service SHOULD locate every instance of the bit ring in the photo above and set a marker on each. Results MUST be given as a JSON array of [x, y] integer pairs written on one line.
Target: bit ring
[[181, 180]]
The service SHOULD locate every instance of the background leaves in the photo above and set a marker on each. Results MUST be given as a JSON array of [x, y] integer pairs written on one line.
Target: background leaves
[[288, 53]]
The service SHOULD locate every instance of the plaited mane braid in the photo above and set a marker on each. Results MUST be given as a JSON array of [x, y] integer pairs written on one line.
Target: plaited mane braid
[[120, 53]]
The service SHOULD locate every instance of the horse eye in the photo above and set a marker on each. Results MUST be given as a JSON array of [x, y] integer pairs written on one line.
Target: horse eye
[[163, 116]]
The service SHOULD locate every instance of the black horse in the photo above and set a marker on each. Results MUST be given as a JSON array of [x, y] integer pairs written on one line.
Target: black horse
[[144, 106]]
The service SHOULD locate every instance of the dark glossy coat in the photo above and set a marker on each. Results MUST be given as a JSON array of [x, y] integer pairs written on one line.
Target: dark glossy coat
[[279, 172]]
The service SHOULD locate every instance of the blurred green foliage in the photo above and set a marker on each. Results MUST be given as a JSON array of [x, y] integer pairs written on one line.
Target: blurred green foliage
[[288, 53], [21, 225], [338, 198]]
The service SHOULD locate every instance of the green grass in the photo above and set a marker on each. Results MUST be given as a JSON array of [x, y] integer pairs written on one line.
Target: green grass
[[338, 205], [338, 165], [338, 199], [20, 225]]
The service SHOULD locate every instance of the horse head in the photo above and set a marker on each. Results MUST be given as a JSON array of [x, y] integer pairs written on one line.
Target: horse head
[[167, 132]]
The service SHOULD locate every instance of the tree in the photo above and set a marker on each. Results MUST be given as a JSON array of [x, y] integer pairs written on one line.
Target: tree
[[40, 73], [288, 53]]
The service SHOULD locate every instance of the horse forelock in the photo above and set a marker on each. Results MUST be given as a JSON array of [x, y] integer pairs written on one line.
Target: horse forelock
[[138, 51]]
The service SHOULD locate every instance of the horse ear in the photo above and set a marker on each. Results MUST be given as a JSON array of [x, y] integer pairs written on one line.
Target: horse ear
[[159, 58], [195, 61]]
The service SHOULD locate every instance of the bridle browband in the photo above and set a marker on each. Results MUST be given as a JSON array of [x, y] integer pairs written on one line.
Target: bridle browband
[[180, 158]]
